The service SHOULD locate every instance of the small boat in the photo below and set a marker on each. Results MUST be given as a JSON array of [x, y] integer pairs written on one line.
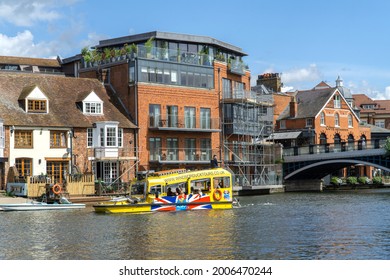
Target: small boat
[[37, 206], [174, 190]]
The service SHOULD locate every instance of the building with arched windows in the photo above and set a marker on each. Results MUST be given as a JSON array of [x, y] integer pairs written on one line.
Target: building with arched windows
[[322, 115]]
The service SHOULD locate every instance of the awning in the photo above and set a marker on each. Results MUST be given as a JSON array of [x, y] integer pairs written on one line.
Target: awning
[[284, 135]]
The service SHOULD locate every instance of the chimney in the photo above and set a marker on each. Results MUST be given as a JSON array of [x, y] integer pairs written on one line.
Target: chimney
[[293, 107]]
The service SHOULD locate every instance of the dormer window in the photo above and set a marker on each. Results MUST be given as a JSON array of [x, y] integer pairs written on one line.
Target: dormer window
[[92, 104], [34, 100]]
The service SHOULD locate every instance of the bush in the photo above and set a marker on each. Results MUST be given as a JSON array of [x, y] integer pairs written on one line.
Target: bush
[[377, 180], [336, 181], [364, 180], [352, 180]]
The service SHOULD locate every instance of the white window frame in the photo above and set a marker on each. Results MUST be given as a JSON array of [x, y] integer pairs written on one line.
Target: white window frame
[[309, 122], [337, 120], [322, 118], [93, 108], [337, 101], [350, 120], [380, 123]]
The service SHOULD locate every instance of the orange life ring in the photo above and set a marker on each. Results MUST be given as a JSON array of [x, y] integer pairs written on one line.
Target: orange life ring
[[56, 189], [217, 195]]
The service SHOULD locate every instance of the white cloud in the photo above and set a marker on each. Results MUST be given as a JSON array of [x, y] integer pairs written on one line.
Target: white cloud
[[27, 12], [308, 74], [23, 45]]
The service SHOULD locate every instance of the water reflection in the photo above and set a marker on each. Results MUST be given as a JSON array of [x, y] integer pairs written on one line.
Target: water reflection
[[350, 225]]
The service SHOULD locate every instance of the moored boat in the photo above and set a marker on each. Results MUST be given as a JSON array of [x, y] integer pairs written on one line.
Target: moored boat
[[175, 190], [36, 205]]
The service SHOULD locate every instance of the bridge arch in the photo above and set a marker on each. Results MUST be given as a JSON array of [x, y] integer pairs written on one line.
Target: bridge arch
[[331, 165]]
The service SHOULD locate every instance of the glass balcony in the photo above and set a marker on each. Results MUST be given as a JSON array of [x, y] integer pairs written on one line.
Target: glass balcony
[[186, 155], [184, 123]]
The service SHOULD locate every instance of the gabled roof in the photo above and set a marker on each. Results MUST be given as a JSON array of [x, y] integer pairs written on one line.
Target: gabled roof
[[311, 102], [63, 94]]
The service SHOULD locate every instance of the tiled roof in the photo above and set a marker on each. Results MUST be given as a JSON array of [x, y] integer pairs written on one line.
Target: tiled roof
[[381, 106], [29, 61], [309, 103], [63, 94]]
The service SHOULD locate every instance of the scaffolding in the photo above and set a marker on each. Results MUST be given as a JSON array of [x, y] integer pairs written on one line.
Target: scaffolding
[[247, 118]]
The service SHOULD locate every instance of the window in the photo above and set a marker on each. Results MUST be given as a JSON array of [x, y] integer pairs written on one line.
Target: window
[[172, 148], [154, 115], [205, 114], [309, 122], [226, 88], [380, 123], [120, 137], [94, 108], [23, 139], [282, 124], [350, 121], [24, 165], [111, 137], [336, 101], [58, 139], [323, 138], [322, 118], [56, 169], [154, 148], [190, 148], [205, 149], [189, 117], [37, 106], [172, 116], [336, 120], [89, 137]]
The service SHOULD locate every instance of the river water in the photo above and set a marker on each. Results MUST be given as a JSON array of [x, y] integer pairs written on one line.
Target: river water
[[350, 225]]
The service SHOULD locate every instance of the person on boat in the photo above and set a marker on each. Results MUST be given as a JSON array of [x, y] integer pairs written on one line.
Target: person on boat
[[170, 192], [178, 191], [214, 162]]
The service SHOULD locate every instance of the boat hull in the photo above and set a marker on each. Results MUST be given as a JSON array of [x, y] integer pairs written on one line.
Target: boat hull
[[39, 206], [166, 207]]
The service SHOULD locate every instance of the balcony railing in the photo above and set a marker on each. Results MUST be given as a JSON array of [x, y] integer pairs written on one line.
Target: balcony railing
[[236, 66], [113, 152], [186, 155], [174, 122]]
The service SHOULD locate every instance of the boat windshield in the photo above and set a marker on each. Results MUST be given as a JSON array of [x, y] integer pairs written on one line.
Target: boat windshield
[[138, 188]]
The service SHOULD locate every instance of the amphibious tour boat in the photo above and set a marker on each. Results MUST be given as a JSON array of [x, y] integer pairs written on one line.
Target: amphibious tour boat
[[174, 190]]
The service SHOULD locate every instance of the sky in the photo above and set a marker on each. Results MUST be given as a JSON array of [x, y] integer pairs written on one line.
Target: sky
[[305, 41]]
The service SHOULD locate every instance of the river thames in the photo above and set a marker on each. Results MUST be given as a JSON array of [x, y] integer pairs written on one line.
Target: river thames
[[343, 225]]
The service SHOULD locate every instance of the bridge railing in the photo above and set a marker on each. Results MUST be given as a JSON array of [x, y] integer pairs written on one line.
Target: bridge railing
[[334, 147]]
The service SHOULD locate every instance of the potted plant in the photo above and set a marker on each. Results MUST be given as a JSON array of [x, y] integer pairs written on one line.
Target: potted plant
[[149, 47]]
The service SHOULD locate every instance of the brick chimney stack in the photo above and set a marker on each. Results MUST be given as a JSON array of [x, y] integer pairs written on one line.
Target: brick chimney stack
[[293, 107]]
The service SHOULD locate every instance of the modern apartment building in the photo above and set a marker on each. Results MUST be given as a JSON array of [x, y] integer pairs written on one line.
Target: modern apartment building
[[189, 96]]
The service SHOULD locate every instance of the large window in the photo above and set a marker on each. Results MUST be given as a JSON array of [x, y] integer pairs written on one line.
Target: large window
[[205, 149], [111, 137], [172, 148], [154, 115], [23, 139], [190, 148], [24, 166], [226, 88], [172, 116], [37, 106], [58, 139], [190, 118], [57, 169], [205, 114], [154, 148]]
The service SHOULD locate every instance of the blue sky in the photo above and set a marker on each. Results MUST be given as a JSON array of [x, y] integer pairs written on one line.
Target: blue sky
[[306, 41]]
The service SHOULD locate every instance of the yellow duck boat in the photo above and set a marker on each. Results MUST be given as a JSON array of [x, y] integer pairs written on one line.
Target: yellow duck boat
[[175, 190]]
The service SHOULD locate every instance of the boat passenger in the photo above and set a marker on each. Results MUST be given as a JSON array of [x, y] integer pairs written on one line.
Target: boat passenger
[[170, 192]]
